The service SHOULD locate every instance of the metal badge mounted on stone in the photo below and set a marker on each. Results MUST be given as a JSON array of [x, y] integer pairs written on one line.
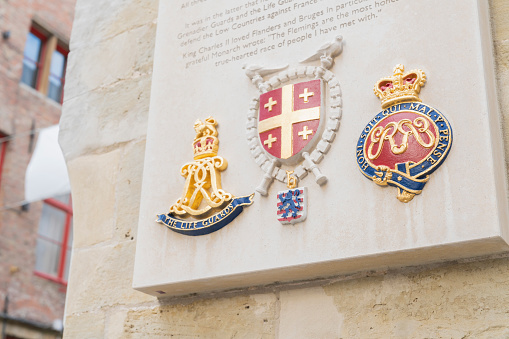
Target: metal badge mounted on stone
[[292, 124], [403, 144], [203, 196]]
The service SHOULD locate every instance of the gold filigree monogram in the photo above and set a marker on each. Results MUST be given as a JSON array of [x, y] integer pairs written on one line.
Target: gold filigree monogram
[[203, 177], [387, 133]]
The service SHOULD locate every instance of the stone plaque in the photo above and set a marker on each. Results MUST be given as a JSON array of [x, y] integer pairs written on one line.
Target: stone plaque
[[203, 51]]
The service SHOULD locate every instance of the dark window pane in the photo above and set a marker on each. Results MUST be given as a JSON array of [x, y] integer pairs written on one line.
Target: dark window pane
[[57, 71], [55, 89], [31, 58], [29, 75], [57, 64], [33, 48]]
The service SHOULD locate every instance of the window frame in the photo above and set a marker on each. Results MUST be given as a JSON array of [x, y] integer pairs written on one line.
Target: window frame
[[49, 44], [64, 244], [42, 56], [65, 52]]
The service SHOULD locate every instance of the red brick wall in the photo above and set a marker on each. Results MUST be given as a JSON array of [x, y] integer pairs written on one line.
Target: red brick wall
[[31, 297]]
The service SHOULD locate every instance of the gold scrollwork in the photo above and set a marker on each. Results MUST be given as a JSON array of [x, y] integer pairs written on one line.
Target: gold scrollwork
[[203, 181], [203, 177], [405, 196], [382, 175], [381, 134]]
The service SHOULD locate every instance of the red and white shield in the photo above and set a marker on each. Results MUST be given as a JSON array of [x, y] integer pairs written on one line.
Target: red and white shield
[[289, 118]]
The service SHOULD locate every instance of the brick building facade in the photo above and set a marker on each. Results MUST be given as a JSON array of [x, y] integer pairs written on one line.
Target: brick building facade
[[30, 99]]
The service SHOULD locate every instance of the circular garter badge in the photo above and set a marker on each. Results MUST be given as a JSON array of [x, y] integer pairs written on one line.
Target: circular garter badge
[[403, 144]]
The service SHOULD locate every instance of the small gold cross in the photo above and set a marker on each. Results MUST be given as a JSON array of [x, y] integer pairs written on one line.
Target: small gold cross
[[306, 95], [270, 104], [305, 132], [270, 140]]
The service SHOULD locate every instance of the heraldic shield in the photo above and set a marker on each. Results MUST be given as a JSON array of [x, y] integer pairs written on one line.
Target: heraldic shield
[[289, 118], [295, 117]]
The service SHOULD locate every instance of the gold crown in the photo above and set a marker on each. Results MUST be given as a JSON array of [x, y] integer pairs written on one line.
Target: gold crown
[[206, 143], [401, 87]]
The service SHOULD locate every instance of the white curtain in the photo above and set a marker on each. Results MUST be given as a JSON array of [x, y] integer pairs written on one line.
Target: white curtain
[[46, 174]]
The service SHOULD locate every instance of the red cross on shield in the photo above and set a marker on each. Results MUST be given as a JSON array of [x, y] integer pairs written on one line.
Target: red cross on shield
[[289, 118]]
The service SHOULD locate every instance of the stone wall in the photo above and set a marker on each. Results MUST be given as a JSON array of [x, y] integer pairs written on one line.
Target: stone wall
[[103, 136]]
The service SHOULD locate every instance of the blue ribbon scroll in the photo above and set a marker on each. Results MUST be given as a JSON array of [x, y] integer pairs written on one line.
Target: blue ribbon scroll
[[207, 225]]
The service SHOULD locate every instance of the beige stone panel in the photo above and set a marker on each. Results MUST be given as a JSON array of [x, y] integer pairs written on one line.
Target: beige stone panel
[[123, 56], [99, 20], [102, 276], [128, 190], [452, 301], [240, 317], [459, 212], [94, 212], [85, 325], [115, 324], [308, 313], [99, 120]]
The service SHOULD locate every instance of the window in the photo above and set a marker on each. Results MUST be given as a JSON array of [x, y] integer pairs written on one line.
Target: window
[[57, 73], [44, 63], [32, 58], [53, 251]]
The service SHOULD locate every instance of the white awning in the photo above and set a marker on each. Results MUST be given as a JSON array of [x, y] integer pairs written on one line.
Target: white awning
[[46, 174]]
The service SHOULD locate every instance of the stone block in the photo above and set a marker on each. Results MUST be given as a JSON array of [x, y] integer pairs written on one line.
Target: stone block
[[128, 190], [111, 62], [87, 174], [85, 324], [115, 324], [102, 276], [95, 21], [122, 117], [309, 313], [252, 316]]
